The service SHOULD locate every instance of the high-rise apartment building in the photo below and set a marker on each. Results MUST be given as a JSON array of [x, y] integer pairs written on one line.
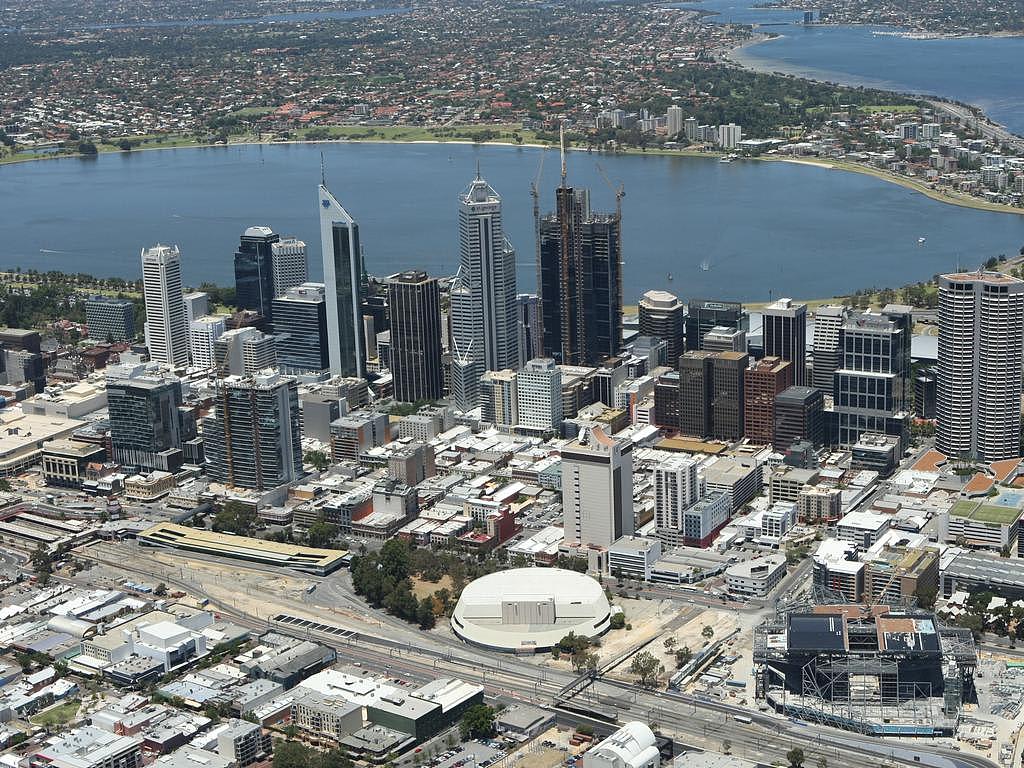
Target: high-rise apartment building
[[978, 392], [872, 378], [110, 319], [148, 423], [828, 321], [254, 270], [597, 489], [300, 329], [499, 400], [539, 395], [784, 328], [662, 315], [762, 382], [677, 485], [414, 300], [531, 326], [202, 336], [243, 352], [729, 136], [288, 264], [197, 304], [580, 274], [485, 334], [166, 332], [674, 121], [252, 435], [343, 287]]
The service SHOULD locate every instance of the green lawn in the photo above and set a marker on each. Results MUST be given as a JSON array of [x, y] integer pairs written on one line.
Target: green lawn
[[985, 513], [58, 715]]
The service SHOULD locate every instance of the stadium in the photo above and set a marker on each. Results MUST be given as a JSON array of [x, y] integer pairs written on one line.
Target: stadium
[[525, 610], [872, 669]]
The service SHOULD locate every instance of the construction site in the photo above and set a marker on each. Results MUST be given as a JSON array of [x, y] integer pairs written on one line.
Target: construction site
[[874, 669]]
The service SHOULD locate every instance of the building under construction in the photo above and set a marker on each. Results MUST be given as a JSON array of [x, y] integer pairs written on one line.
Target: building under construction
[[873, 669]]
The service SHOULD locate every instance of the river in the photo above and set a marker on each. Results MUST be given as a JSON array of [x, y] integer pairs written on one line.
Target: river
[[984, 71], [742, 231]]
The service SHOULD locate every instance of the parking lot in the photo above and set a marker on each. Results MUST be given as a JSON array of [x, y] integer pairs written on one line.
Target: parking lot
[[472, 754]]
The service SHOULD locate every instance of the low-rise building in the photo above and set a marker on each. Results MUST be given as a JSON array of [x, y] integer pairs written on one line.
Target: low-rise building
[[756, 577], [633, 557]]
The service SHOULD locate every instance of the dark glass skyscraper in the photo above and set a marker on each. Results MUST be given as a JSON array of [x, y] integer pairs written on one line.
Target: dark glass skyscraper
[[580, 280], [343, 287], [147, 421], [300, 329], [414, 301], [254, 270]]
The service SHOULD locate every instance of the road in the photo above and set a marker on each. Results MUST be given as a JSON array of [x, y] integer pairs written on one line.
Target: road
[[416, 656], [991, 131]]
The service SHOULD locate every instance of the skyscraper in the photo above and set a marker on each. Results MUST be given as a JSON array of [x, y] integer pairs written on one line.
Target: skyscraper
[[768, 377], [485, 334], [828, 321], [289, 267], [674, 121], [539, 395], [244, 351], [784, 326], [677, 485], [696, 390], [580, 279], [662, 315], [799, 415], [252, 435], [254, 270], [499, 400], [110, 318], [202, 335], [597, 489], [727, 402], [148, 424], [300, 329], [166, 332], [871, 380], [703, 315], [981, 333], [343, 287], [414, 300], [531, 326]]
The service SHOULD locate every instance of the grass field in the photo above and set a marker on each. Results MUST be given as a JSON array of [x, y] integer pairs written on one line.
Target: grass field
[[58, 715]]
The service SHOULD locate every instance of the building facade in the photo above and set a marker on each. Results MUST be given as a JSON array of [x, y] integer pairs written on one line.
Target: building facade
[[414, 301], [300, 329], [166, 331], [110, 319], [254, 270], [343, 287], [784, 329], [597, 489], [663, 315]]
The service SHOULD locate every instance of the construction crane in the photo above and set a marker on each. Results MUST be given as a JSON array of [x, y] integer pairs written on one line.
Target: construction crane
[[535, 194]]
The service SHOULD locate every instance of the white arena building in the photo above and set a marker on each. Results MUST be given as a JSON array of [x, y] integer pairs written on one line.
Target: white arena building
[[530, 609]]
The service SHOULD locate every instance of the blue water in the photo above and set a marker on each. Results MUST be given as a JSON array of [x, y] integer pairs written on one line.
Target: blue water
[[761, 226], [985, 71]]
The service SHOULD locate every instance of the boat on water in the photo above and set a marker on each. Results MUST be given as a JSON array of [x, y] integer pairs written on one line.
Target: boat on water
[[728, 158], [920, 240], [670, 277]]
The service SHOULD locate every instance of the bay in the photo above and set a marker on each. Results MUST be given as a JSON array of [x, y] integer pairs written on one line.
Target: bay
[[745, 231]]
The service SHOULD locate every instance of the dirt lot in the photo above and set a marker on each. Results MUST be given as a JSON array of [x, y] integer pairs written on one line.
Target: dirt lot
[[423, 588]]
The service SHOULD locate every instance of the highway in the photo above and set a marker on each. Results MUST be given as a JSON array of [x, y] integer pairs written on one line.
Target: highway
[[990, 130], [409, 654]]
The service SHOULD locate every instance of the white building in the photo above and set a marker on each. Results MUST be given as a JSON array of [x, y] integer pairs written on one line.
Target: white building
[[597, 489], [677, 486], [729, 136], [632, 746], [862, 528], [244, 351], [674, 121], [756, 577], [197, 304], [289, 267], [202, 334], [634, 557], [485, 331], [539, 395], [166, 331], [89, 747], [978, 391]]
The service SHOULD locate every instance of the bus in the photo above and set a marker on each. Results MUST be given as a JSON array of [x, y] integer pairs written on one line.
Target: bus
[[742, 719]]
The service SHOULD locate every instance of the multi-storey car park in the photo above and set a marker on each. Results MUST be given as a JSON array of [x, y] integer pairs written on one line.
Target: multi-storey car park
[[873, 669]]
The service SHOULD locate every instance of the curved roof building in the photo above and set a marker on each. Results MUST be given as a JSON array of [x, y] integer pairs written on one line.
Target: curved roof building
[[530, 609], [632, 746]]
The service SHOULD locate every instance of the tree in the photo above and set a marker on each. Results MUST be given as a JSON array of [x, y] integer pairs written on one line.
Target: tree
[[425, 613], [42, 564], [161, 589], [618, 620], [925, 596], [321, 533], [670, 643], [726, 746], [5, 485], [235, 517], [87, 148], [707, 632], [646, 667], [821, 762], [318, 460], [584, 661], [795, 756], [477, 722], [683, 656]]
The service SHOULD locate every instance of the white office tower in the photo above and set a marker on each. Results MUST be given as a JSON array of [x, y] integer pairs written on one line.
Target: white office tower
[[674, 121], [244, 352], [729, 136], [539, 395], [597, 489], [166, 331], [485, 334], [202, 335], [289, 268], [978, 391], [343, 287], [677, 486], [632, 746]]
